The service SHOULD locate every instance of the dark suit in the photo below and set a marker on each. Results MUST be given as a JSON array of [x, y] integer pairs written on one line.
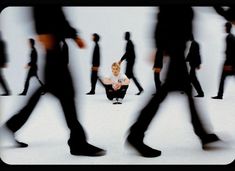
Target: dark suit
[[58, 80], [194, 59], [95, 63], [173, 30], [229, 61], [129, 56], [32, 70], [3, 61]]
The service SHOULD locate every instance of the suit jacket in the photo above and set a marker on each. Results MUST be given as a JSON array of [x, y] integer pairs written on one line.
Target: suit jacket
[[96, 56], [194, 57], [129, 55], [173, 27], [33, 58], [230, 50]]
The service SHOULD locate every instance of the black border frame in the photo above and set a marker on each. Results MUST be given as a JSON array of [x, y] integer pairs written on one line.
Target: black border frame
[[121, 3]]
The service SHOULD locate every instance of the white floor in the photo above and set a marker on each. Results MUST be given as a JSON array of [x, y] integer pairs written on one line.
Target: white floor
[[106, 126]]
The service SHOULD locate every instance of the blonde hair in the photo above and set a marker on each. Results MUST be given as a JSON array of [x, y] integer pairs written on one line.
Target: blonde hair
[[115, 64]]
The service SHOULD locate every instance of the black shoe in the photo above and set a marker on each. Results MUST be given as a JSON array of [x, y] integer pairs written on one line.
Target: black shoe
[[143, 149], [18, 143], [5, 94], [119, 101], [115, 101], [90, 93], [87, 150], [141, 91], [199, 95], [209, 138], [21, 144], [22, 94], [217, 97]]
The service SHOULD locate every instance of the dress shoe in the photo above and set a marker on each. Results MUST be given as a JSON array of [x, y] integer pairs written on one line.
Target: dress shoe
[[141, 91], [141, 148], [9, 135], [90, 93], [5, 94], [208, 138], [20, 144], [87, 150], [217, 97], [199, 95]]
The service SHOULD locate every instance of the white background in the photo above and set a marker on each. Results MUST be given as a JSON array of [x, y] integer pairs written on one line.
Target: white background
[[106, 124]]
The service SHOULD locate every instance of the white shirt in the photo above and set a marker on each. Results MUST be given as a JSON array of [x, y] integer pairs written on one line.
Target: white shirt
[[120, 78]]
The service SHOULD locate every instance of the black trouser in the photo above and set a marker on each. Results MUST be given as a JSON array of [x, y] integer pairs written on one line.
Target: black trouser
[[130, 75], [3, 83], [32, 73], [111, 93], [177, 80], [157, 81], [148, 112], [58, 82], [94, 78], [222, 80], [195, 81]]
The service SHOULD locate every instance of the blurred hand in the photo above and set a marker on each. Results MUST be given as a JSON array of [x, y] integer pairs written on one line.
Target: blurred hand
[[94, 68], [117, 86], [157, 70], [47, 40], [119, 62], [80, 42]]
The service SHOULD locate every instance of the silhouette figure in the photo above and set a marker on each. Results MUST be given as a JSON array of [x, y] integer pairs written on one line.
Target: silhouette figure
[[58, 80], [173, 30], [33, 68], [116, 85], [229, 64], [129, 56], [194, 59], [3, 61], [95, 64]]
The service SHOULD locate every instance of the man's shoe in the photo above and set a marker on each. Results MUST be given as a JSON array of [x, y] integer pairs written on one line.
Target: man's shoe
[[115, 101], [141, 148], [119, 101], [209, 138], [9, 135], [20, 144], [87, 150], [199, 95], [217, 97], [22, 94], [141, 91], [90, 93], [5, 94]]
